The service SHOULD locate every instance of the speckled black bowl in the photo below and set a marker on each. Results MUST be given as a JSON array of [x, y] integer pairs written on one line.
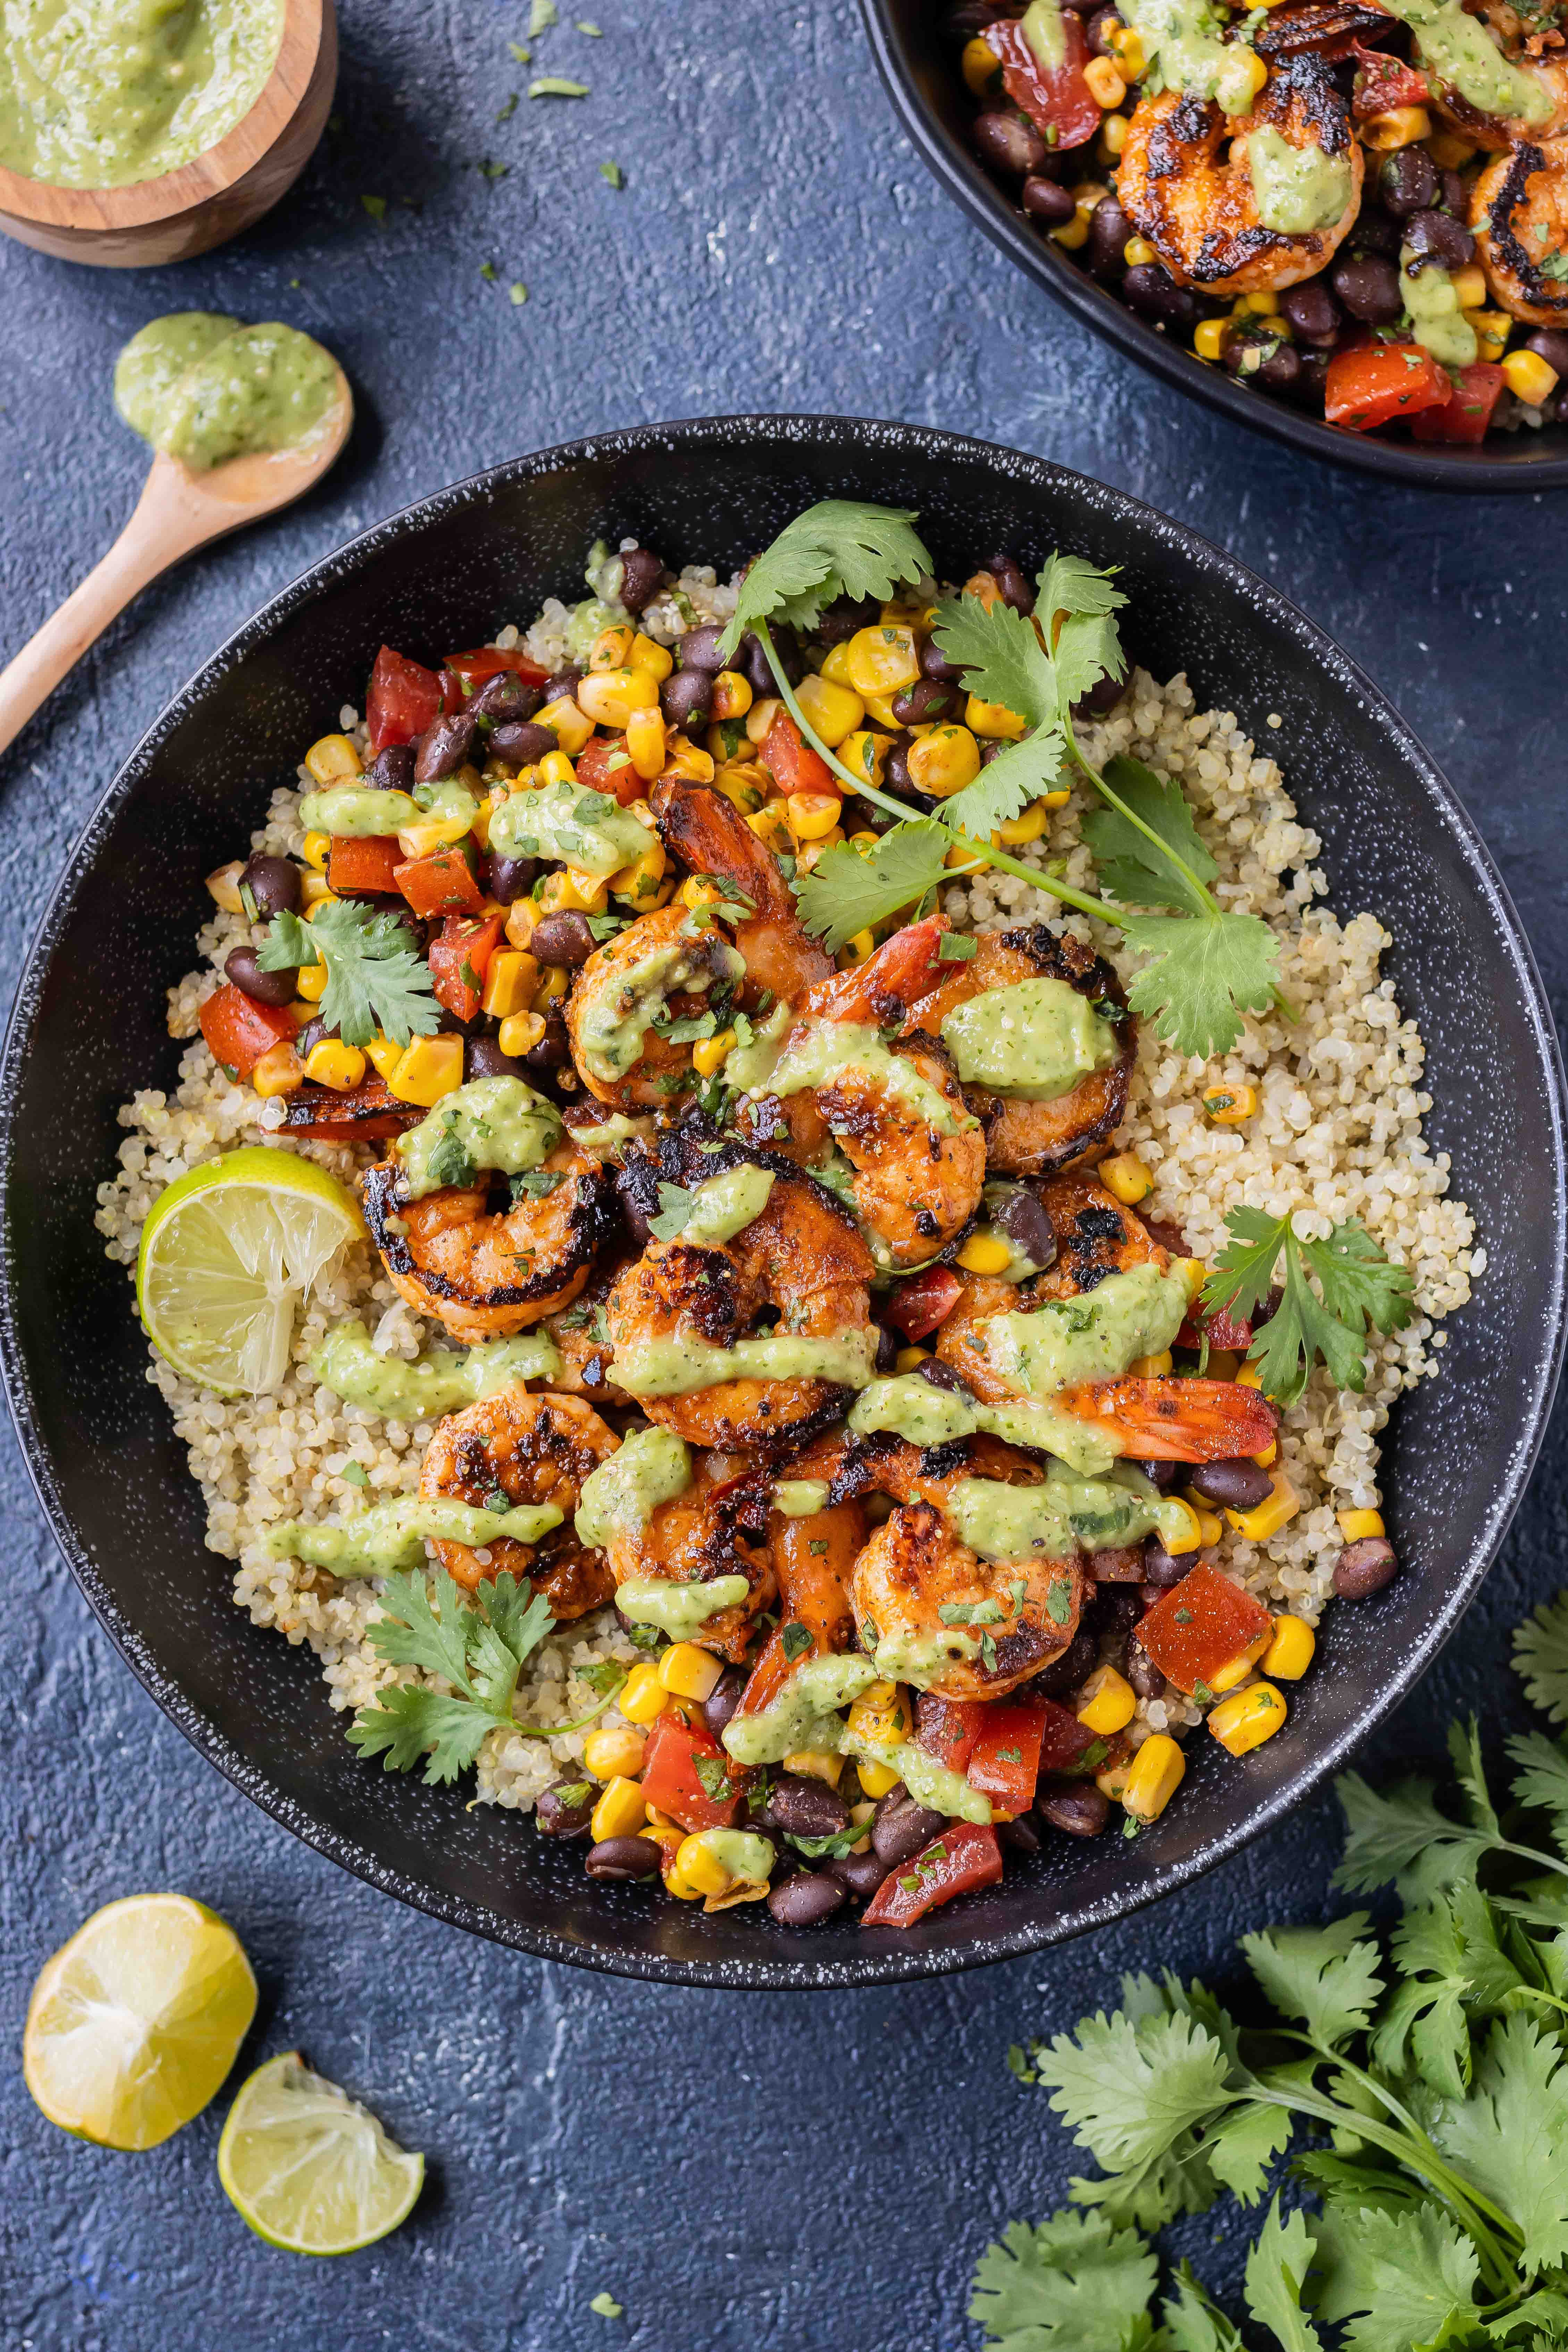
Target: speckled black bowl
[[919, 66], [89, 1029]]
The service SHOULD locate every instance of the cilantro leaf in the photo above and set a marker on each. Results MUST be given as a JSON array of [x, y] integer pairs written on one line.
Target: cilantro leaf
[[847, 892], [1328, 1976], [836, 1842], [1064, 2285], [411, 1633], [375, 981], [1542, 1779], [1005, 788], [1452, 1965], [1241, 2148], [838, 548], [1404, 2278], [1129, 2091], [1540, 1656], [676, 1203], [414, 1722], [1127, 865], [1203, 974], [1072, 584], [479, 1650], [1401, 1836], [1357, 1282], [1277, 2269], [1509, 2136], [1000, 653], [1195, 2324]]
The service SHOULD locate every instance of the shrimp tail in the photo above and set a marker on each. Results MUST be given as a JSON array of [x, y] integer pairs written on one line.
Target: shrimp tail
[[1176, 1420], [709, 836], [883, 988]]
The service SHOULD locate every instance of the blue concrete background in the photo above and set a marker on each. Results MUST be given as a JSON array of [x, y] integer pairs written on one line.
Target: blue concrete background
[[800, 2173]]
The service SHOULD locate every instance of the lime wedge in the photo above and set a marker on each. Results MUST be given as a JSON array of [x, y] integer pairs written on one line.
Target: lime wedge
[[309, 2168], [135, 2024], [228, 1254]]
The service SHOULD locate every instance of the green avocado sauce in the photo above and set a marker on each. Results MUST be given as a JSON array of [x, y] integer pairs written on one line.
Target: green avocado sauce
[[1298, 189], [1436, 321], [746, 1855], [910, 1408], [1044, 32], [572, 824], [1033, 1039], [1459, 54], [497, 1123], [356, 812], [800, 1498], [606, 1138], [203, 397], [622, 1495], [747, 1069], [106, 95], [435, 1383], [1182, 42], [827, 1051], [677, 1610], [725, 1204], [393, 1535], [803, 1714], [929, 1783], [615, 1019], [1063, 1517], [680, 1366]]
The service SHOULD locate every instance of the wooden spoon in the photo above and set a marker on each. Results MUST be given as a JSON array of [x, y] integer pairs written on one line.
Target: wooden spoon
[[177, 512]]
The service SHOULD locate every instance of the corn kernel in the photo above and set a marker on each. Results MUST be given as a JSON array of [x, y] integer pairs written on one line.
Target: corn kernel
[[664, 1834], [333, 760], [698, 1865], [1188, 1537], [1112, 1781], [519, 1033], [434, 832], [1291, 1648], [1152, 1367], [621, 1810], [1126, 46], [1209, 1527], [1105, 84], [980, 67], [426, 1069], [1087, 195], [1470, 286], [568, 723], [1112, 139], [688, 761], [1108, 1702], [1269, 1456], [834, 711], [881, 1713], [879, 710], [697, 892], [556, 768], [335, 1064], [645, 744], [1028, 826], [1401, 126], [317, 849], [882, 660], [761, 714], [835, 665], [648, 653], [1209, 339], [1137, 253], [641, 880], [877, 1778], [1448, 151], [732, 695], [571, 891], [984, 1254], [1265, 304], [1356, 1526], [1529, 377], [1126, 1179], [687, 1672], [862, 947], [1072, 234], [642, 1698], [614, 1752], [1230, 1106], [312, 981], [278, 1071], [1153, 1778], [813, 814], [1248, 1377], [994, 720], [1270, 1515], [708, 1056], [1249, 1718], [509, 982], [521, 917], [1258, 73], [863, 754], [910, 1360], [770, 826], [556, 983], [612, 649], [223, 885], [1235, 1670], [817, 1764], [384, 1054], [1492, 329]]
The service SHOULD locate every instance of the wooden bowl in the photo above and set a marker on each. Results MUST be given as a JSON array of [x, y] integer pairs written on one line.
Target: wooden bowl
[[210, 199]]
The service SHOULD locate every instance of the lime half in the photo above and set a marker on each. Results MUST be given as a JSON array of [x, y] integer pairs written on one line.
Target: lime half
[[135, 2024], [228, 1251], [309, 2168]]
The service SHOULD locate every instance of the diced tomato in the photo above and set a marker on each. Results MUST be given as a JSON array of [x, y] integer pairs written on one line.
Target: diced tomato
[[367, 1114], [672, 1782], [366, 866], [917, 1305], [1233, 1332], [460, 958], [1468, 414], [1006, 1763], [1064, 1740], [1056, 98], [605, 765], [488, 661], [1384, 83], [239, 1031], [963, 1857], [1199, 1627], [789, 759], [1372, 386], [442, 884], [948, 1728], [404, 697]]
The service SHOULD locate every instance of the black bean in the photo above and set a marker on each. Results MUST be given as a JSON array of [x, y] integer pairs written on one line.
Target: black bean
[[862, 1873], [642, 574], [1455, 196], [554, 1050], [752, 663], [1408, 182], [1067, 1671], [1312, 312], [1048, 201], [561, 938], [1162, 1568], [888, 1346], [845, 616], [505, 696], [1440, 237], [562, 682], [939, 1375], [443, 746], [1100, 26], [1008, 143], [261, 987], [808, 1900], [1154, 294], [1240, 1485], [624, 1857], [927, 700], [900, 1828], [521, 741], [274, 884], [1548, 344], [698, 649], [314, 1033], [1122, 1564], [723, 1699], [392, 771], [1312, 380], [807, 1808], [686, 698], [1024, 1217], [1119, 1605], [934, 662], [1022, 1834], [512, 879], [1161, 1476], [895, 778], [483, 1058], [566, 1808], [1109, 230], [1376, 231], [1278, 369], [1369, 286], [1143, 1675], [1076, 1806], [1103, 696], [1364, 1568]]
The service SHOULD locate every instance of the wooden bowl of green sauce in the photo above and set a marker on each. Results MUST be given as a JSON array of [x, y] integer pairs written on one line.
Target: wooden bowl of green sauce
[[168, 134]]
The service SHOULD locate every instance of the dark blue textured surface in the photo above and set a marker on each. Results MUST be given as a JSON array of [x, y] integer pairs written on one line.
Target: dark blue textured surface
[[793, 2172]]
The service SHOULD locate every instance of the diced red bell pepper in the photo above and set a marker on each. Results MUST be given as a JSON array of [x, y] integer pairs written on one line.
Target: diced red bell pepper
[[1056, 98], [948, 1728], [364, 866], [488, 661], [461, 959], [367, 1114], [239, 1031], [789, 759], [1233, 1332], [404, 697], [963, 1857], [1381, 383], [671, 1781], [1199, 1627], [1384, 83], [1064, 1740], [605, 765], [442, 884], [1006, 1763], [917, 1305], [1468, 416]]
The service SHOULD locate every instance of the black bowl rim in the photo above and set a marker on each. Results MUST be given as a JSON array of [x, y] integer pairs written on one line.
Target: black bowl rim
[[966, 181], [772, 1973]]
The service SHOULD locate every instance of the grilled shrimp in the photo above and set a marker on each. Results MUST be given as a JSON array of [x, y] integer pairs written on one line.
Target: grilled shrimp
[[709, 836], [812, 1559], [1201, 214], [801, 1259], [582, 1336], [1035, 1139], [916, 1152], [481, 1272], [1520, 37], [533, 1448], [660, 968], [718, 1527], [1519, 209]]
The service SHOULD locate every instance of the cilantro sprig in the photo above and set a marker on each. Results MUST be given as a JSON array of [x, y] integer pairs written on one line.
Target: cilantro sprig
[[1358, 1285], [376, 979], [1436, 2064]]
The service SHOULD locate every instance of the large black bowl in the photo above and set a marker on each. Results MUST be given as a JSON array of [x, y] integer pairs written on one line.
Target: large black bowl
[[919, 64], [88, 1029]]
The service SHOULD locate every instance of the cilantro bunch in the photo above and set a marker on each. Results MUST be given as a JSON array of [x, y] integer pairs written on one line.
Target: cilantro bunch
[[1358, 1285], [1208, 965], [376, 979], [1431, 2075]]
